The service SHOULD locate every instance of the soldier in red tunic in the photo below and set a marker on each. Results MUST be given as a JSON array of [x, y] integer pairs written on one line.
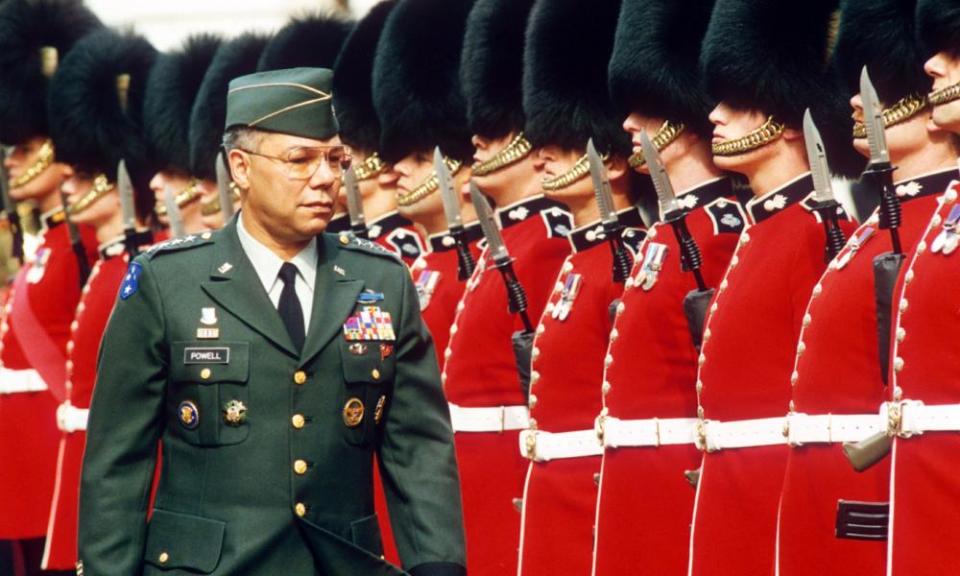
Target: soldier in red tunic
[[649, 395], [764, 75], [833, 519], [107, 132], [559, 498], [360, 130], [38, 309], [924, 387], [481, 379]]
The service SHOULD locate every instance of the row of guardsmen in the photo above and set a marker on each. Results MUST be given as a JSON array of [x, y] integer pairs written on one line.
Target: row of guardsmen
[[735, 379]]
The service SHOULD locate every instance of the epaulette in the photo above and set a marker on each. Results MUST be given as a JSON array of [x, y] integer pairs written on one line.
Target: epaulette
[[728, 216], [559, 222], [178, 244], [406, 243], [352, 242], [810, 205]]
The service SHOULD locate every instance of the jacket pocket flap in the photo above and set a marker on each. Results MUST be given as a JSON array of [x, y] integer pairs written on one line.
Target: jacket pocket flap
[[184, 541]]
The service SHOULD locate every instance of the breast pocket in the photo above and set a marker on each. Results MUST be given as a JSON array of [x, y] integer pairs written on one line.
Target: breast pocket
[[208, 395], [368, 371]]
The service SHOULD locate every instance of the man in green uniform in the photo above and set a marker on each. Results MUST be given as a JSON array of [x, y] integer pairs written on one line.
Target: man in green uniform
[[271, 361]]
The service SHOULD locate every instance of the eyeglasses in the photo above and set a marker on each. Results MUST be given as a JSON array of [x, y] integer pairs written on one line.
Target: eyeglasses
[[302, 162]]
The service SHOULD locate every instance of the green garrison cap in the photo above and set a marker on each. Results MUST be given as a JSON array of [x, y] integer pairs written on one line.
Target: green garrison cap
[[295, 101]]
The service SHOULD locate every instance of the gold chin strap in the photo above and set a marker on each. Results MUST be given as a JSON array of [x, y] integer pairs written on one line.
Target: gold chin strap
[[186, 196], [905, 109], [369, 168], [944, 95], [518, 149], [101, 187], [580, 170], [43, 161], [765, 134], [666, 134], [211, 207], [428, 187]]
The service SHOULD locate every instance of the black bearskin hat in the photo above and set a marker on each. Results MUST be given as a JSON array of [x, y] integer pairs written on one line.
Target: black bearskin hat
[[416, 80], [565, 93], [881, 35], [938, 25], [353, 81], [91, 126], [233, 59], [311, 41], [770, 55], [655, 67], [26, 27], [171, 91], [491, 66]]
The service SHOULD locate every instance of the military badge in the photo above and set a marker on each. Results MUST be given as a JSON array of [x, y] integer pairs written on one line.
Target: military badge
[[234, 413], [357, 349], [353, 412], [571, 287], [189, 415], [131, 281], [948, 239], [653, 259], [208, 329], [853, 246], [39, 266], [370, 297], [370, 323], [378, 411], [386, 350], [426, 284]]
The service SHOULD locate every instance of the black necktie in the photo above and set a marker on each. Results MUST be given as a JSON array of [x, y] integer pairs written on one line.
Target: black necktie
[[289, 306]]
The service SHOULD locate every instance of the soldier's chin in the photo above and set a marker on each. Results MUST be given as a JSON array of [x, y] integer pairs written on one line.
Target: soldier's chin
[[862, 146], [947, 117]]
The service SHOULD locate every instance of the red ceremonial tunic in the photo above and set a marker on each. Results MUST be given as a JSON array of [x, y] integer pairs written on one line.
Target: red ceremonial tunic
[[645, 502], [838, 372], [559, 499], [96, 304], [28, 404], [745, 366], [481, 372], [924, 486]]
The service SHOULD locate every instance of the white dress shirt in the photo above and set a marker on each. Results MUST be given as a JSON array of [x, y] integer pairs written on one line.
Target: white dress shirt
[[267, 264]]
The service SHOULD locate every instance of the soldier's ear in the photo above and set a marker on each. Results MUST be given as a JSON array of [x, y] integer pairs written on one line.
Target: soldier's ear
[[617, 167], [792, 134], [239, 163]]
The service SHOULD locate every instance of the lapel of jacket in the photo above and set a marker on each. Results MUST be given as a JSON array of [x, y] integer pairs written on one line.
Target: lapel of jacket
[[234, 284], [334, 298]]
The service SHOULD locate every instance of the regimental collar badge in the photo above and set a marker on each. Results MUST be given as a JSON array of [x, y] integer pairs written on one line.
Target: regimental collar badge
[[778, 200], [518, 212], [926, 185]]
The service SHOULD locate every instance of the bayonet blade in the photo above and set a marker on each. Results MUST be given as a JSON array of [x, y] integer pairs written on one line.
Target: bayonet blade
[[128, 209], [498, 251], [354, 201], [451, 202], [873, 120], [223, 188], [661, 181], [601, 186], [173, 213], [817, 156]]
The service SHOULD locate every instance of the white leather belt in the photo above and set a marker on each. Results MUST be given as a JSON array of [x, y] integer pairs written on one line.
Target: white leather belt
[[716, 435], [917, 418], [17, 381], [70, 418], [649, 432], [829, 428], [494, 419], [541, 446]]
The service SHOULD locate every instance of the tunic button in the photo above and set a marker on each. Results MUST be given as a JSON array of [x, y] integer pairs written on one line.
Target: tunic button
[[897, 364], [375, 374], [801, 348], [951, 195], [908, 277], [744, 238], [301, 508], [558, 287], [904, 304], [541, 329], [724, 284], [794, 377], [534, 376], [706, 335], [901, 334], [70, 346], [807, 319], [937, 220], [344, 239], [446, 354], [608, 360], [453, 329], [628, 283], [533, 401], [734, 261], [614, 334], [535, 353], [300, 467], [605, 388], [621, 307], [567, 266], [205, 374], [701, 360], [699, 386], [713, 307], [164, 557], [461, 306], [817, 289], [922, 247], [298, 421], [299, 377]]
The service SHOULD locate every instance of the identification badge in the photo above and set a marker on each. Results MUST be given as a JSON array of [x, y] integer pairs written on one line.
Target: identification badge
[[370, 323], [426, 283], [571, 287], [853, 246], [947, 240], [208, 329], [653, 259], [198, 355]]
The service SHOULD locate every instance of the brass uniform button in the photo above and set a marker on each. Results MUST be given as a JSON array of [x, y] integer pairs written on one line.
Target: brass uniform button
[[299, 377], [375, 373], [205, 374], [298, 421], [300, 509], [164, 558], [300, 467], [344, 239]]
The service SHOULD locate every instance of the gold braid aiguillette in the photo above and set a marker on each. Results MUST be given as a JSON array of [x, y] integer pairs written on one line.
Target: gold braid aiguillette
[[944, 95], [43, 161], [518, 149], [101, 186], [905, 108], [667, 133], [186, 196], [580, 170], [766, 133], [428, 187], [369, 168]]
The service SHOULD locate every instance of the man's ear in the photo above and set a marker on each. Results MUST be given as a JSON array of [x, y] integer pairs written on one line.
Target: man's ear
[[792, 134], [239, 168], [617, 167]]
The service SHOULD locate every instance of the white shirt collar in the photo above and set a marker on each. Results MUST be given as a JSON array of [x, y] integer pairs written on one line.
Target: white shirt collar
[[267, 264]]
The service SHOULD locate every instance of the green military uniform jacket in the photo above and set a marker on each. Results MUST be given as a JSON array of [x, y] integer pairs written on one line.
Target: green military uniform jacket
[[267, 453]]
